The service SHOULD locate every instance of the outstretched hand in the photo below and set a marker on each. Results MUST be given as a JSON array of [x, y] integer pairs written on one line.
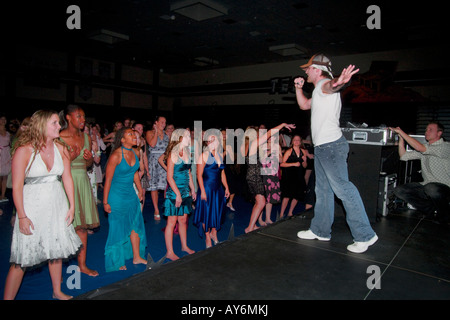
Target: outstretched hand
[[345, 76], [396, 129], [399, 132], [289, 126]]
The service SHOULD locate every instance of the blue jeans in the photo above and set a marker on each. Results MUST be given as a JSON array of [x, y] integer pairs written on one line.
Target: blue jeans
[[330, 164]]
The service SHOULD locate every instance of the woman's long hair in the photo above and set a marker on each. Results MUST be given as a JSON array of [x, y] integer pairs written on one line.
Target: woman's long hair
[[174, 145], [35, 134]]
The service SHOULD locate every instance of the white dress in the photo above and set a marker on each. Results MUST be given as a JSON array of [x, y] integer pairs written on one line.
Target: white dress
[[46, 205]]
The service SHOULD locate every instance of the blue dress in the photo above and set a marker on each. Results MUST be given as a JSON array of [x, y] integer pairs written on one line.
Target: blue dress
[[125, 216], [210, 212], [181, 177]]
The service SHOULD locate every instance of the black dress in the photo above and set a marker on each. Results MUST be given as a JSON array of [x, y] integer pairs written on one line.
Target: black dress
[[232, 173], [293, 183], [254, 179]]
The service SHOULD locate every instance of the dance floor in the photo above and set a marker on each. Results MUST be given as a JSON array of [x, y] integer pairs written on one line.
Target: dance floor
[[410, 261]]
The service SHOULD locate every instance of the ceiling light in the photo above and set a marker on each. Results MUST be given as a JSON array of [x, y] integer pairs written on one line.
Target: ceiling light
[[199, 10], [204, 61], [108, 36], [291, 49], [255, 33], [167, 17]]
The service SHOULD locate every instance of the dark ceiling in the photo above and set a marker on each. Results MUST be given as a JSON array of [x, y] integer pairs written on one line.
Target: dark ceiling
[[163, 39]]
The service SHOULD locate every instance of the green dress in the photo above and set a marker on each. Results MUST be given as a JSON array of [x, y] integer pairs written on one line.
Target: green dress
[[86, 213], [181, 177]]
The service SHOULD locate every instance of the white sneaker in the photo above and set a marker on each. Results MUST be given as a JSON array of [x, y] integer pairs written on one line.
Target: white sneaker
[[360, 247], [309, 235]]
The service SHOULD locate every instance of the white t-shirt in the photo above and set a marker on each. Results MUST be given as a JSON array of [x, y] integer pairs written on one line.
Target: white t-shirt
[[325, 114]]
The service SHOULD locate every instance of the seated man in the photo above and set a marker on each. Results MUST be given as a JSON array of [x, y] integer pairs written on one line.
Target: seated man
[[433, 194]]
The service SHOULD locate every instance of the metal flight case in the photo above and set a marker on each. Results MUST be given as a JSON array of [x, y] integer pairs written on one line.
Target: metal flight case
[[373, 166], [371, 136]]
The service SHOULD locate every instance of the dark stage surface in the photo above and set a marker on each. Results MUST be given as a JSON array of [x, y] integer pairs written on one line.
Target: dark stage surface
[[272, 263], [411, 257]]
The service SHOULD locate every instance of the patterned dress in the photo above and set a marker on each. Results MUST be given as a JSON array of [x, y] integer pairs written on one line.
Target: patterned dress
[[158, 176], [271, 178], [254, 178]]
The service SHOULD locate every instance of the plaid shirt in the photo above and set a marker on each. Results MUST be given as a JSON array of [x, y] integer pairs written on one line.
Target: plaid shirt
[[435, 162]]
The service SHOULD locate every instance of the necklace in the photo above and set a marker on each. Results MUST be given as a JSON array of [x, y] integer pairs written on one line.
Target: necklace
[[127, 148]]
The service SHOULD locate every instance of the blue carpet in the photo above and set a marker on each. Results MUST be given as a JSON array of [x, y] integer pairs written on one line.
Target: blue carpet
[[36, 284]]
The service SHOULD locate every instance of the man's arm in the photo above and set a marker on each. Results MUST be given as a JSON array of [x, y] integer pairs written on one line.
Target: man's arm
[[336, 84], [401, 146], [416, 145], [303, 102]]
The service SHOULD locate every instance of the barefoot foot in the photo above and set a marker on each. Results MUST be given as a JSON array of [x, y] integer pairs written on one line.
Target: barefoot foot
[[88, 271], [61, 296], [188, 250], [172, 256], [250, 229], [139, 261]]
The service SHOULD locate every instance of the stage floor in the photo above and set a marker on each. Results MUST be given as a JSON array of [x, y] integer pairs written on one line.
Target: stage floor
[[411, 259]]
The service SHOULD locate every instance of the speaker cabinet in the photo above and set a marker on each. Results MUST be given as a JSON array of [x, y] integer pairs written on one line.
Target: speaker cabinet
[[366, 163]]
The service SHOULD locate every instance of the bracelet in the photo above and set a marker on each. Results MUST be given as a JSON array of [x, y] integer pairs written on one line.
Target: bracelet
[[105, 203], [22, 217]]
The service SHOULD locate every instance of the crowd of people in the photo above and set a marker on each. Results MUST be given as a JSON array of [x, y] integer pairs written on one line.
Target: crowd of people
[[198, 176], [55, 164]]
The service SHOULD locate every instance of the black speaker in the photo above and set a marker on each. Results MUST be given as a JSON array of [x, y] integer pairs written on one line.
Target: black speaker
[[365, 165]]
